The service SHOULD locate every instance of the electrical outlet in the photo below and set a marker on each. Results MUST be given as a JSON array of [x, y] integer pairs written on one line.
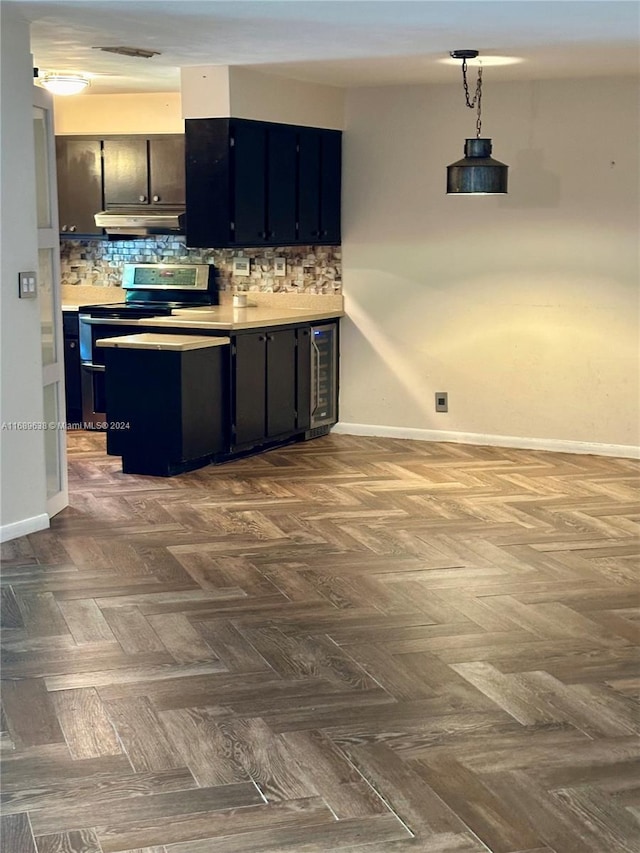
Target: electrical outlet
[[27, 285], [241, 265], [442, 401], [279, 266]]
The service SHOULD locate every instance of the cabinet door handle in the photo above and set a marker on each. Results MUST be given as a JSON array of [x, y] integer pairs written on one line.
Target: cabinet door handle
[[142, 198], [64, 228], [156, 198], [261, 337], [315, 376], [263, 234], [72, 344], [72, 228]]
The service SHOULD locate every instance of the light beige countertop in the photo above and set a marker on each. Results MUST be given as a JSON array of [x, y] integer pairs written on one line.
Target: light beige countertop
[[227, 318], [74, 296], [175, 343], [264, 309], [253, 317]]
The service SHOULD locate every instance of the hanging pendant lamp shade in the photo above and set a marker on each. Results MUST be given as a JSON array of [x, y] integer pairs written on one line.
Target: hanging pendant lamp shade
[[477, 173]]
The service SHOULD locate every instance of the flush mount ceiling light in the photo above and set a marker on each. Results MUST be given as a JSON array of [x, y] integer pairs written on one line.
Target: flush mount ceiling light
[[477, 173], [487, 59], [63, 84]]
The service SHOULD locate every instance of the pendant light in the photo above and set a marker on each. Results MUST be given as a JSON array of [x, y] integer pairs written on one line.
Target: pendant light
[[477, 173]]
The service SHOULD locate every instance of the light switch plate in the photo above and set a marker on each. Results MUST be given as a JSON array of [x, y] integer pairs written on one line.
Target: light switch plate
[[27, 285], [279, 266], [241, 265]]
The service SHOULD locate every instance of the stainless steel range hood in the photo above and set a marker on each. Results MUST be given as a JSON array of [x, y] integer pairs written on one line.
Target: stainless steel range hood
[[141, 222]]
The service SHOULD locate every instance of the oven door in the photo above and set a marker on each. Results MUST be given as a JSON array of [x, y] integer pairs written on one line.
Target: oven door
[[92, 381]]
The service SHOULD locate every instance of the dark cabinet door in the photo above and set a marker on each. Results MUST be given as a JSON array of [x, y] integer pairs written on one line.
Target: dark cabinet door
[[281, 184], [166, 170], [73, 393], [126, 171], [264, 366], [308, 186], [79, 170], [250, 384], [249, 152], [330, 185], [208, 182], [319, 185], [281, 382]]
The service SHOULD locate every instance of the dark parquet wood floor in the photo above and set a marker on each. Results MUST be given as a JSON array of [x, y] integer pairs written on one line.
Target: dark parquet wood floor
[[352, 645]]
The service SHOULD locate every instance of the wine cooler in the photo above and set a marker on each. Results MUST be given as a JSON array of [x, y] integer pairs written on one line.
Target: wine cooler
[[324, 375]]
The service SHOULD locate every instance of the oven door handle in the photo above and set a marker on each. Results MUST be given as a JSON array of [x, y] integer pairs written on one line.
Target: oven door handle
[[95, 368], [98, 321]]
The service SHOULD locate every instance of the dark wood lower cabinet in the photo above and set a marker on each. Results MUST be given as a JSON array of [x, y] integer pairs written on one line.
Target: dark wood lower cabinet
[[72, 384], [249, 365], [170, 411], [264, 371]]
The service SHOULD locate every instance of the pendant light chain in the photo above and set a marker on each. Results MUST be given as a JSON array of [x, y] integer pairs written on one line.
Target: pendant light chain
[[477, 98]]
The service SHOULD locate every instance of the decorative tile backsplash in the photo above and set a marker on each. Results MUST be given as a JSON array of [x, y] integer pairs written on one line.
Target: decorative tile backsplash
[[309, 269]]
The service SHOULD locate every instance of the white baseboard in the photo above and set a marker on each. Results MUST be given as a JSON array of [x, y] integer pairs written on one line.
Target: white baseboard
[[23, 527], [552, 444]]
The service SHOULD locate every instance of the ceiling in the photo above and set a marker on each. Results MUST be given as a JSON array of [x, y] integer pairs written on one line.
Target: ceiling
[[336, 42]]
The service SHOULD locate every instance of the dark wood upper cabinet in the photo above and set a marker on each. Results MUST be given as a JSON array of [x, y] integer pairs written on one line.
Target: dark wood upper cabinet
[[166, 170], [264, 189], [126, 173], [249, 183], [330, 181], [79, 171], [144, 170], [320, 168], [281, 184], [116, 171]]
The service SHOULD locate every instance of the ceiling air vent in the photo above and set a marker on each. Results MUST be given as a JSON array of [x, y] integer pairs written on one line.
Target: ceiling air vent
[[130, 51]]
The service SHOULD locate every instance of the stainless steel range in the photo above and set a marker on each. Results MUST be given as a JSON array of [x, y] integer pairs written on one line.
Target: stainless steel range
[[151, 290]]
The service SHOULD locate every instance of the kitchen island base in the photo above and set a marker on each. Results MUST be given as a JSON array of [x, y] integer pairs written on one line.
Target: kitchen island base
[[167, 401]]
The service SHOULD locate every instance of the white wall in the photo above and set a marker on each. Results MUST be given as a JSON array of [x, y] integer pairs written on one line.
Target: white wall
[[151, 112], [523, 307], [221, 91], [23, 487]]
